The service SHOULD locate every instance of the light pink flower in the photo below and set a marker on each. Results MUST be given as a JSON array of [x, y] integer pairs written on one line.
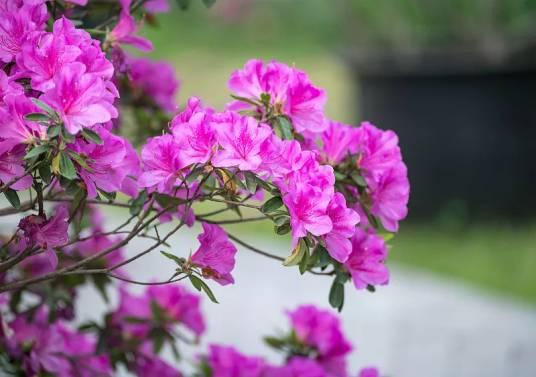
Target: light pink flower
[[82, 99], [215, 255], [390, 195], [162, 164], [241, 139], [344, 221], [366, 263], [307, 207]]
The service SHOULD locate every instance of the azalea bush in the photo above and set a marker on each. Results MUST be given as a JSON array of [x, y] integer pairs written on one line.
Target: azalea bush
[[87, 124]]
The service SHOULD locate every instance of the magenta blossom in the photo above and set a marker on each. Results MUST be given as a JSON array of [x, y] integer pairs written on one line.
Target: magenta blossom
[[125, 30], [196, 135], [156, 6], [17, 21], [338, 141], [147, 364], [298, 367], [390, 195], [307, 207], [12, 166], [366, 263], [215, 255], [8, 86], [162, 164], [228, 362], [107, 162], [15, 128], [46, 233], [344, 221], [82, 99], [155, 79], [240, 138], [322, 330]]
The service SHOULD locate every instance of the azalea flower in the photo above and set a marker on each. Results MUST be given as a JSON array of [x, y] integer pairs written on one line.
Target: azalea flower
[[241, 139], [298, 367], [147, 364], [124, 31], [338, 140], [15, 128], [227, 362], [369, 372], [344, 221], [215, 255], [12, 166], [366, 262]]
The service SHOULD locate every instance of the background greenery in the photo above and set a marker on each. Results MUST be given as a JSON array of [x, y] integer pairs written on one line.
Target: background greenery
[[205, 46]]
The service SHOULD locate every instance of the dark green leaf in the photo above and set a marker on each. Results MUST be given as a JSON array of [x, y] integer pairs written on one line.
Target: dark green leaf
[[358, 179], [80, 161], [174, 258], [246, 100], [336, 295], [157, 311], [286, 127], [297, 254], [37, 117], [43, 106], [132, 319], [36, 151], [323, 256], [280, 220], [283, 229], [201, 285], [91, 135], [274, 342], [77, 200], [304, 263], [100, 282], [136, 205], [183, 4], [251, 182], [45, 173], [110, 196], [272, 204], [371, 288], [167, 201], [13, 198], [53, 130], [66, 166]]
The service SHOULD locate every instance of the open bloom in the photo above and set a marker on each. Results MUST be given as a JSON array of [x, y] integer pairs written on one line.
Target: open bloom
[[390, 195], [46, 233], [148, 364], [366, 263], [338, 140], [12, 166], [15, 128], [298, 367], [125, 30], [81, 99], [241, 139], [216, 254], [227, 362], [344, 221]]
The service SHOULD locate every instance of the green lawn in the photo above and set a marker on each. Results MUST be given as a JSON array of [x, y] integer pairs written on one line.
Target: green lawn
[[206, 50]]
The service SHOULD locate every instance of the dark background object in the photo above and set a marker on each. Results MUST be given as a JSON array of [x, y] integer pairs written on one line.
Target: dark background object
[[468, 132]]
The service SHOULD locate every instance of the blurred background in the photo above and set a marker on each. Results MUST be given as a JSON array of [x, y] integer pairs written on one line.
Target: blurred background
[[456, 79]]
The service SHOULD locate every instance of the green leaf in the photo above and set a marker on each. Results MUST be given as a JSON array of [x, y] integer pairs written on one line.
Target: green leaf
[[101, 281], [281, 220], [66, 167], [323, 256], [36, 151], [297, 254], [304, 263], [358, 179], [167, 201], [91, 135], [136, 205], [246, 100], [371, 288], [282, 229], [286, 127], [13, 198], [272, 204], [110, 196], [53, 130], [44, 106], [209, 3], [201, 285], [173, 257], [336, 295], [251, 182], [183, 4], [37, 117], [274, 342], [44, 172], [80, 161], [76, 203]]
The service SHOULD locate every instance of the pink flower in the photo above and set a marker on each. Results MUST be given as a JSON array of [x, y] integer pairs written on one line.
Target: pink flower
[[378, 149], [215, 255], [307, 207], [322, 330], [12, 166], [344, 221], [149, 365], [124, 31], [98, 243], [369, 372], [155, 79], [366, 263], [162, 164], [390, 195], [8, 86], [228, 362], [17, 21], [338, 140], [46, 234], [43, 55], [298, 367], [108, 162], [241, 139], [82, 99], [16, 129], [157, 6], [196, 137]]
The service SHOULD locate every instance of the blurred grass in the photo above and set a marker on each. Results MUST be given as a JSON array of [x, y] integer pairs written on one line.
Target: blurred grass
[[205, 50]]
